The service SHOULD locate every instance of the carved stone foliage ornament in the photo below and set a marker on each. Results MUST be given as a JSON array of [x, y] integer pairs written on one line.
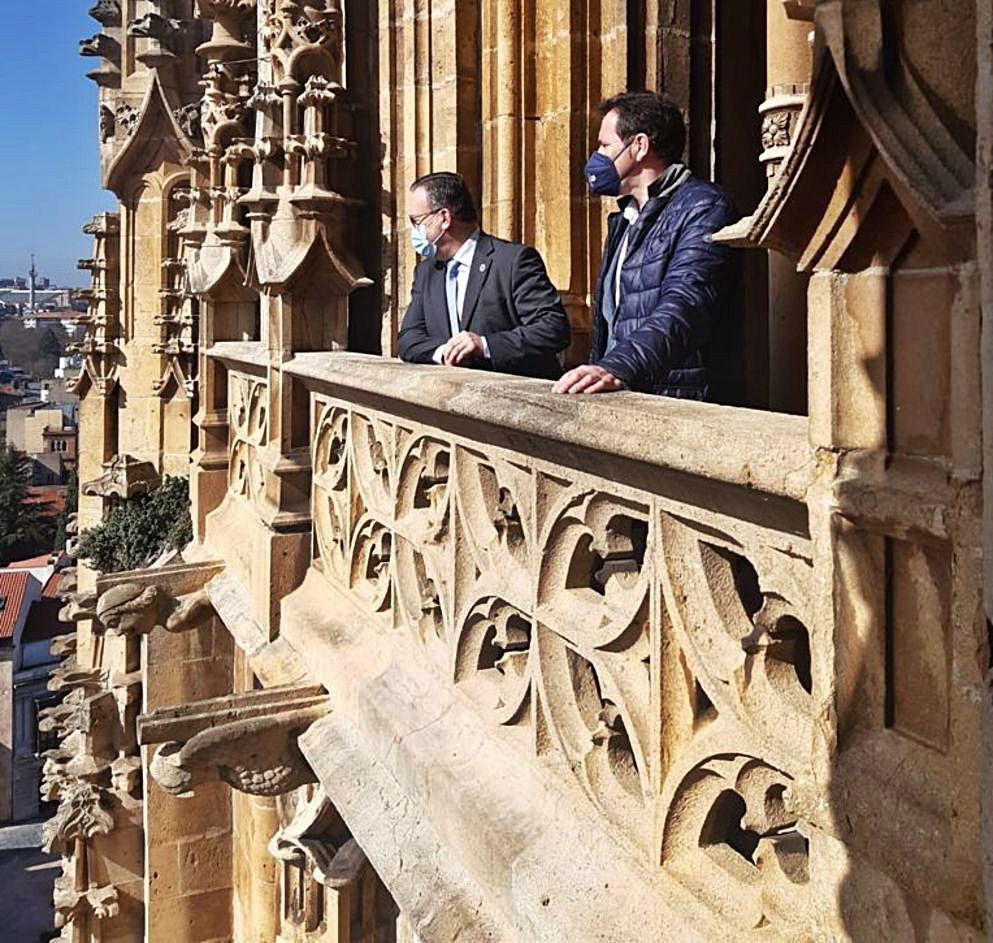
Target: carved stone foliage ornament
[[127, 117], [575, 617], [780, 114], [82, 814], [289, 26]]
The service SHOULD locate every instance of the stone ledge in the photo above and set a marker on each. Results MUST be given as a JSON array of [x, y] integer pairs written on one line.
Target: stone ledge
[[250, 354], [763, 451], [437, 798]]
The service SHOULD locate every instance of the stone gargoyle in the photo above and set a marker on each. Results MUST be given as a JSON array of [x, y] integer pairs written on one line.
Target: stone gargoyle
[[101, 46], [154, 26], [247, 740], [107, 12], [136, 609]]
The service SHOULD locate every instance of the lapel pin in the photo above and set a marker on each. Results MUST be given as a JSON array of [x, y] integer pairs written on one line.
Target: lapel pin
[[482, 267]]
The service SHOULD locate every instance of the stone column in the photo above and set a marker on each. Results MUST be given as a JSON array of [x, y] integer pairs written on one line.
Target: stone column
[[984, 228], [188, 841], [789, 62]]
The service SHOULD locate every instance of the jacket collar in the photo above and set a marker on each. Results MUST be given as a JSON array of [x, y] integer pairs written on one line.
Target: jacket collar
[[673, 177]]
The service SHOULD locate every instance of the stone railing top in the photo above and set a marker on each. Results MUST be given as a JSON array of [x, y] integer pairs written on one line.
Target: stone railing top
[[250, 353], [765, 451]]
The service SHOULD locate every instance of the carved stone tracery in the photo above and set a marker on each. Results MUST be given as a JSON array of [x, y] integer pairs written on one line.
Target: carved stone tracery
[[544, 617], [248, 420]]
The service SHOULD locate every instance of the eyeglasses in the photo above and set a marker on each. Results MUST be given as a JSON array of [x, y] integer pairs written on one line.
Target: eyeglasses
[[417, 220]]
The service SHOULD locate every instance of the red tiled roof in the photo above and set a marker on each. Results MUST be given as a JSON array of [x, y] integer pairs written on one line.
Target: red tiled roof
[[31, 563], [51, 588], [13, 586], [55, 496]]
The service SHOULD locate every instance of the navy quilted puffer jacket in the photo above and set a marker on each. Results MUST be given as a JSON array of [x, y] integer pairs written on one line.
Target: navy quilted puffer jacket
[[676, 288]]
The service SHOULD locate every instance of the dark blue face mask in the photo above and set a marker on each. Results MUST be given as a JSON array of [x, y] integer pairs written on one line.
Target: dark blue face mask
[[601, 174]]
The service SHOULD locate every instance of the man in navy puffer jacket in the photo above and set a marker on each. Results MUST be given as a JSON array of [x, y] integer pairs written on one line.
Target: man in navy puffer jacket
[[664, 287]]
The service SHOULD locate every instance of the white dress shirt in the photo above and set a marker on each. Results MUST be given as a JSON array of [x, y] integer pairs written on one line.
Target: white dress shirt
[[464, 257]]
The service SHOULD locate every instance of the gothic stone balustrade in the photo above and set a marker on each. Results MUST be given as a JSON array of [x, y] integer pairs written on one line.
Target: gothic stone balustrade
[[579, 638], [625, 646]]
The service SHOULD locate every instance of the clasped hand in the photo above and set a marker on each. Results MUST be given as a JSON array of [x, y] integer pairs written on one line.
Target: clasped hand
[[463, 348]]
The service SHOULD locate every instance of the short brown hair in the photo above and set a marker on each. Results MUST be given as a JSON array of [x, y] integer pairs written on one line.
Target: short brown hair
[[650, 114]]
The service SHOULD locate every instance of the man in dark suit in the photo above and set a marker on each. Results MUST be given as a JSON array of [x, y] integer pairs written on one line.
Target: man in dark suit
[[477, 301]]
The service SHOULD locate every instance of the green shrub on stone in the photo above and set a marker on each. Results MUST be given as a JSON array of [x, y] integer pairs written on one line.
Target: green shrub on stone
[[135, 532]]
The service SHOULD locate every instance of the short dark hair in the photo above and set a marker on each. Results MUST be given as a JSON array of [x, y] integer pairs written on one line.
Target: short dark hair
[[650, 114], [448, 191]]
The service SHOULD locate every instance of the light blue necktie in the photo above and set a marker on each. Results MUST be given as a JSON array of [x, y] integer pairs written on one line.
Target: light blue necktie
[[452, 294]]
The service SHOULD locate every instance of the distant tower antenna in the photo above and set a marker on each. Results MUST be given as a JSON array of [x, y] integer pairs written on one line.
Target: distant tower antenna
[[33, 274]]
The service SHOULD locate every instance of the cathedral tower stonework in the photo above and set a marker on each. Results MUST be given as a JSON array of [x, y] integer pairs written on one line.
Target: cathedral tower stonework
[[449, 657]]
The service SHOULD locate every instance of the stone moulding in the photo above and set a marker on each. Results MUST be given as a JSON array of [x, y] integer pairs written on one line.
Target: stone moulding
[[246, 740], [907, 132], [761, 451]]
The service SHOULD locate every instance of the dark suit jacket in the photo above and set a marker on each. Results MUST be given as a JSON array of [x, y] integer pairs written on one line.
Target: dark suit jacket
[[509, 300]]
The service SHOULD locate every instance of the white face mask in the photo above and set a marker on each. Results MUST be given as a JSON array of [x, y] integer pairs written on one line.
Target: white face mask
[[424, 247]]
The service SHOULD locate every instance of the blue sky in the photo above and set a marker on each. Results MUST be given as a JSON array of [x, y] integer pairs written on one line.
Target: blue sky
[[49, 161]]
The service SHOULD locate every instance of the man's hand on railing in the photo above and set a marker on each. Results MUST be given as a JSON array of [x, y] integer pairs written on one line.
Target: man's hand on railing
[[463, 348], [589, 378]]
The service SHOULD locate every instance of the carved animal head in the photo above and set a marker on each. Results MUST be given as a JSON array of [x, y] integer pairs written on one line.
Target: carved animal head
[[130, 608], [153, 26], [102, 46], [168, 771], [107, 12]]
